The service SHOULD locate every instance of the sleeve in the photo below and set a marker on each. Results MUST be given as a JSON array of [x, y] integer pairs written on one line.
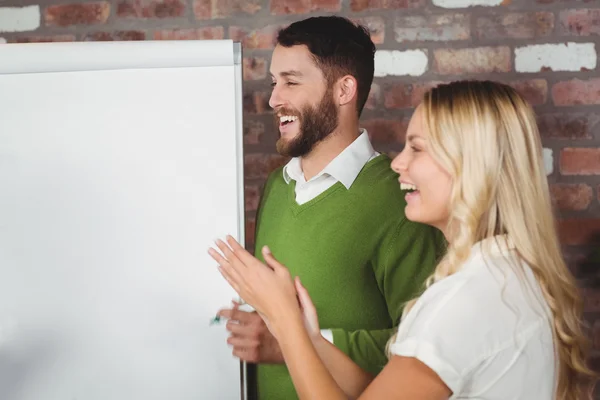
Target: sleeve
[[451, 333], [405, 257]]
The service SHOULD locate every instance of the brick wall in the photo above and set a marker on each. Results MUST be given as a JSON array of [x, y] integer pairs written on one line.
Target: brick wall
[[547, 49]]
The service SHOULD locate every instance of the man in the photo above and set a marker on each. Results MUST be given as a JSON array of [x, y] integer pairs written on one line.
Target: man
[[334, 215]]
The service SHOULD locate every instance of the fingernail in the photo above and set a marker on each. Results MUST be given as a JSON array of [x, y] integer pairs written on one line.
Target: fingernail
[[266, 249]]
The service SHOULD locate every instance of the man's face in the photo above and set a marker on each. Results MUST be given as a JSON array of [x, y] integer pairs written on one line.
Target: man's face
[[305, 111]]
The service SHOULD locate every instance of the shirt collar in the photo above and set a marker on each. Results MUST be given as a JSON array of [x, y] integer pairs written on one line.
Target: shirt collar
[[343, 168]]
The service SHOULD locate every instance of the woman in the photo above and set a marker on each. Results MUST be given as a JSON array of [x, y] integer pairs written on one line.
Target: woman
[[500, 318]]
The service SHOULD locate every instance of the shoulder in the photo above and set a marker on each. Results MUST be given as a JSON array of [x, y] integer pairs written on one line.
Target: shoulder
[[483, 307], [377, 183], [275, 177]]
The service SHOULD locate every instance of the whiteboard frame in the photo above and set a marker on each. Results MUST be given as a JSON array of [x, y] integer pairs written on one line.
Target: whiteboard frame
[[10, 66], [239, 127]]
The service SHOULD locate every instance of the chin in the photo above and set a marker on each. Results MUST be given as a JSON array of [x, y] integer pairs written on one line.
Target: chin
[[414, 215]]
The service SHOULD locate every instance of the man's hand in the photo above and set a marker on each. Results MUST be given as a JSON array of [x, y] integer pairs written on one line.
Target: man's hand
[[251, 339]]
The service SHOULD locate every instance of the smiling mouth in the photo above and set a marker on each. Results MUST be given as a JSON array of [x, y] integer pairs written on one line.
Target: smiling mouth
[[408, 187], [287, 119]]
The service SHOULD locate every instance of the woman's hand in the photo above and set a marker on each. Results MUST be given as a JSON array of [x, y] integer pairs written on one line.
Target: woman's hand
[[309, 312], [269, 289]]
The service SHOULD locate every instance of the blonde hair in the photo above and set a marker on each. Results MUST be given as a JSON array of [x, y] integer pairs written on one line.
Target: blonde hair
[[484, 134]]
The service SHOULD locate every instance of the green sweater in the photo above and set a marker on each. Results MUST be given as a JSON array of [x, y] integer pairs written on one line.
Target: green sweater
[[356, 253]]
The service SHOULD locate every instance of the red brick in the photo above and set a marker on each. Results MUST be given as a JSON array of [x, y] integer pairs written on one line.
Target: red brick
[[77, 14], [361, 5], [118, 35], [535, 91], [283, 7], [576, 197], [591, 300], [596, 335], [515, 25], [577, 232], [44, 39], [403, 95], [473, 60], [215, 9], [374, 99], [568, 125], [151, 8], [250, 232], [576, 91], [582, 22], [375, 26], [251, 197], [580, 161], [386, 130], [253, 131], [255, 68], [206, 33], [564, 1], [443, 28], [259, 166], [256, 103], [264, 38]]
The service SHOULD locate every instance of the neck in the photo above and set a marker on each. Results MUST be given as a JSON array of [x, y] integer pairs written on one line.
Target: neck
[[325, 151]]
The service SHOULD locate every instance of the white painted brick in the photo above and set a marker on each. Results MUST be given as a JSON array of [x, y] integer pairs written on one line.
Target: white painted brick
[[394, 62], [558, 57], [466, 3], [548, 160], [19, 19]]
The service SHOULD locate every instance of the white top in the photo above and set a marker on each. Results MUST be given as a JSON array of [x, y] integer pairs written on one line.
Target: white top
[[343, 168], [484, 330]]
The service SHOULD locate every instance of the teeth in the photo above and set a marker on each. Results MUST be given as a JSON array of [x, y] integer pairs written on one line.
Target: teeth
[[287, 118], [407, 186]]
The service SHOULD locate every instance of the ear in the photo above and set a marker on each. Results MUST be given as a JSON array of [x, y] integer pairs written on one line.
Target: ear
[[347, 90]]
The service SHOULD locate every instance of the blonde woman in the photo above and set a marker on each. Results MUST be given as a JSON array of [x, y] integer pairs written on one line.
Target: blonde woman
[[500, 318]]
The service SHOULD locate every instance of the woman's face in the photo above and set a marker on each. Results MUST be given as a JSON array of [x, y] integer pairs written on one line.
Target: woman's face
[[427, 184]]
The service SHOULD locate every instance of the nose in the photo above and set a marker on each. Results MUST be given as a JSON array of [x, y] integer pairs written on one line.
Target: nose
[[400, 162], [275, 100]]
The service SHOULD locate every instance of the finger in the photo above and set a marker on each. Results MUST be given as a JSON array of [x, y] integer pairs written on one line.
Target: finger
[[245, 354], [228, 253], [242, 342], [226, 312], [217, 256], [238, 329], [232, 278], [244, 317], [270, 259], [305, 300], [243, 255]]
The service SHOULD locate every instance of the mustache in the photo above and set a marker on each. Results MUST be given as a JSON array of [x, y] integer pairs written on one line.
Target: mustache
[[287, 111]]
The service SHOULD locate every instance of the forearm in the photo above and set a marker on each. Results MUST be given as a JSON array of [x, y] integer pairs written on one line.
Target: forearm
[[351, 378], [309, 374], [366, 347]]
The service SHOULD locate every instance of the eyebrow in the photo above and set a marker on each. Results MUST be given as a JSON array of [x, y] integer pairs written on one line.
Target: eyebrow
[[286, 74]]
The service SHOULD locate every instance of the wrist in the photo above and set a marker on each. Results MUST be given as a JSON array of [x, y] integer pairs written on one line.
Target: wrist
[[284, 325]]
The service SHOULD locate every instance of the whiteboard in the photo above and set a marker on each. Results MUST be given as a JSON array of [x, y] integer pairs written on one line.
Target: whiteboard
[[120, 163]]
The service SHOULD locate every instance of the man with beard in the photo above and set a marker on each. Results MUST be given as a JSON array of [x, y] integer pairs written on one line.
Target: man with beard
[[334, 215]]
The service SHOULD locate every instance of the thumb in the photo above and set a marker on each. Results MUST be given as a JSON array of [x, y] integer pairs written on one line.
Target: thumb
[[270, 260], [305, 300]]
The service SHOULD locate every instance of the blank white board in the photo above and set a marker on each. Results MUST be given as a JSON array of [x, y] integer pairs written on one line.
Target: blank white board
[[120, 163]]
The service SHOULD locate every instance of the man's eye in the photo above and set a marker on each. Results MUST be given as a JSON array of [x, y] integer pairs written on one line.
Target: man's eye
[[273, 84], [291, 83]]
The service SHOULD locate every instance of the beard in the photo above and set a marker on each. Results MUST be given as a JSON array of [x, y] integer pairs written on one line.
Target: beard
[[316, 124]]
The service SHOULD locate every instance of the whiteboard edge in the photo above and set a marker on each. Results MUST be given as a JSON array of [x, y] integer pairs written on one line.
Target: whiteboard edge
[[239, 128]]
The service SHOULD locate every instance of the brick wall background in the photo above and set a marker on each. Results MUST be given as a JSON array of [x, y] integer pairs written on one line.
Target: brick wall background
[[547, 49]]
